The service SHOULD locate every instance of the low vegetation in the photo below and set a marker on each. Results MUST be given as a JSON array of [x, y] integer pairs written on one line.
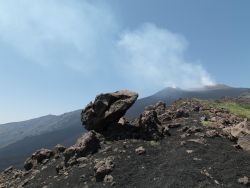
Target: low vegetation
[[233, 107], [205, 123]]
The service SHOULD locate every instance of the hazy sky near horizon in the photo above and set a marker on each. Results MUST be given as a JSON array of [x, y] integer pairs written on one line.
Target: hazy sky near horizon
[[56, 55]]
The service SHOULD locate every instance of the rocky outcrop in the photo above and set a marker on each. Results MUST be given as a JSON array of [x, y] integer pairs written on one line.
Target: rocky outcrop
[[132, 152], [107, 109]]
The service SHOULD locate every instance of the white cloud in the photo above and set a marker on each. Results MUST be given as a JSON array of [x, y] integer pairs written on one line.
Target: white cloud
[[57, 31], [152, 57]]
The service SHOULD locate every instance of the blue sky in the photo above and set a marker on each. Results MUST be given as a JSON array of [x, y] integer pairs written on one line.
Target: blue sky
[[56, 55]]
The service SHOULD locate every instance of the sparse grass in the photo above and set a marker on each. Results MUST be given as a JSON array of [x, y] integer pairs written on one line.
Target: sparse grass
[[233, 107], [237, 109], [154, 143], [205, 123], [246, 95], [108, 142]]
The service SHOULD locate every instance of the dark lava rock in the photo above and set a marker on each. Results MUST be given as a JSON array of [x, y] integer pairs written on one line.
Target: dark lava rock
[[180, 113], [107, 109], [59, 148], [159, 107], [8, 169], [244, 142], [103, 168], [212, 133], [37, 158], [150, 126], [89, 143]]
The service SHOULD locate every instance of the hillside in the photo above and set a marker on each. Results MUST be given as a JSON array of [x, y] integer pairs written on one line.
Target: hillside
[[169, 95], [22, 138], [191, 143]]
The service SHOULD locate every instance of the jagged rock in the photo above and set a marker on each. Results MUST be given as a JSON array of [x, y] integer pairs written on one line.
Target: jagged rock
[[149, 125], [28, 164], [37, 158], [72, 161], [7, 170], [180, 113], [89, 143], [69, 152], [82, 159], [122, 121], [212, 133], [107, 109], [166, 131], [160, 107], [239, 132], [240, 128], [42, 154], [192, 129], [59, 148], [174, 125], [103, 168], [59, 167], [165, 117], [184, 129], [196, 108], [244, 142]]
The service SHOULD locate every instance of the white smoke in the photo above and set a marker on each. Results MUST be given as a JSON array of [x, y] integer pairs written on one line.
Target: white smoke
[[153, 57]]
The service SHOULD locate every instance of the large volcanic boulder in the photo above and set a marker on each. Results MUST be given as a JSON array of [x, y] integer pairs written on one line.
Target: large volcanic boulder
[[107, 109]]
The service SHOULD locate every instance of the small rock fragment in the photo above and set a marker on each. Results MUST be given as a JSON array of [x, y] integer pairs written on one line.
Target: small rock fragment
[[189, 151], [140, 150], [103, 168], [108, 179], [244, 180], [211, 133]]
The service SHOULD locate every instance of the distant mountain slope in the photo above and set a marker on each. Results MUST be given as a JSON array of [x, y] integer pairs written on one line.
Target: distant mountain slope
[[16, 153], [169, 95], [19, 140], [13, 132]]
